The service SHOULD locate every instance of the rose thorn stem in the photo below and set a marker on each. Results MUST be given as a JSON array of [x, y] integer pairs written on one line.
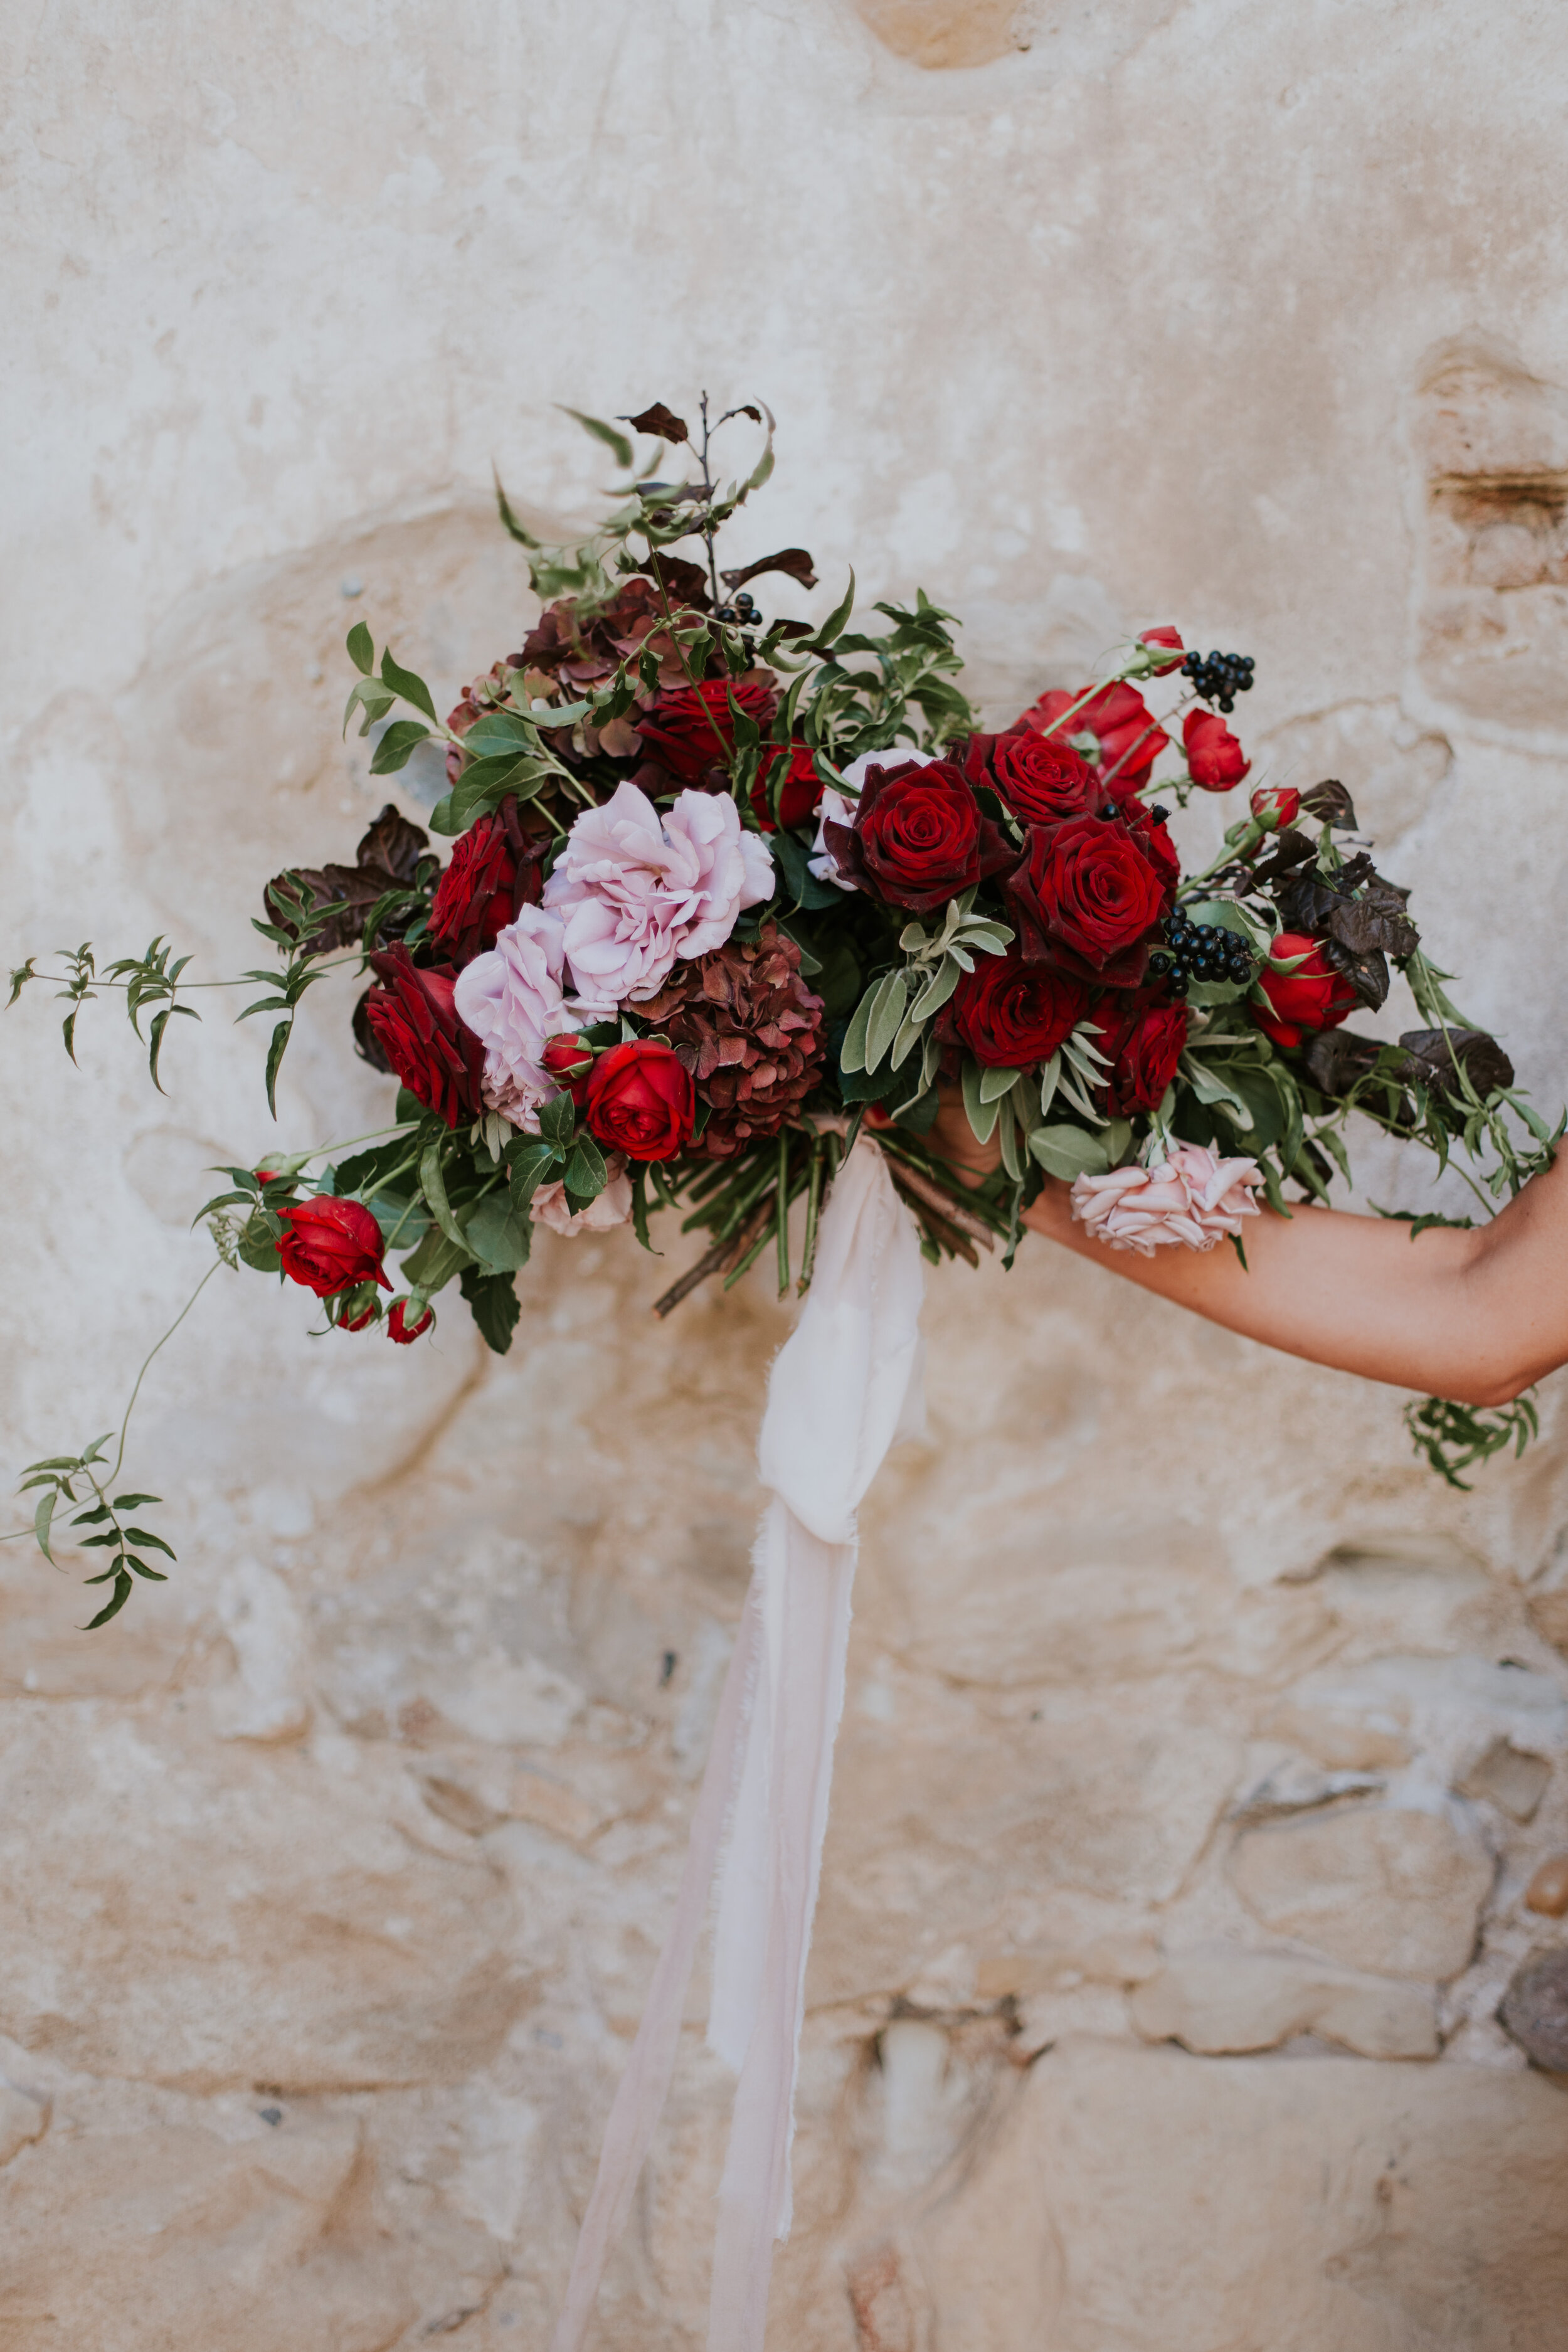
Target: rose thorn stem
[[781, 1216], [813, 1208]]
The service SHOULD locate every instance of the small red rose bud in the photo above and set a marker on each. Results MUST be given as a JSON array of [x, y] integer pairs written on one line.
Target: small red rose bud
[[568, 1057], [1274, 806], [400, 1330], [1168, 637]]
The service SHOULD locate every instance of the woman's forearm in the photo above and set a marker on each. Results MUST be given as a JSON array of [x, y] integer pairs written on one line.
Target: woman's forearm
[[1475, 1316]]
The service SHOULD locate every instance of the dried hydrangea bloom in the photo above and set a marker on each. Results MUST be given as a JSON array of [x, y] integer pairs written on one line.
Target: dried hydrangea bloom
[[750, 1031]]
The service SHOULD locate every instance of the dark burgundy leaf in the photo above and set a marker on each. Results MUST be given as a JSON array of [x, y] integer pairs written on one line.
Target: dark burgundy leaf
[[1334, 1059], [1366, 972], [352, 890], [1366, 925], [393, 844], [794, 560], [660, 420], [1331, 804], [683, 583], [1432, 1054]]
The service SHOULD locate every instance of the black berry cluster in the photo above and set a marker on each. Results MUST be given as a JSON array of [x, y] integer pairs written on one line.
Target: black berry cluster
[[1220, 677], [744, 609], [1199, 952]]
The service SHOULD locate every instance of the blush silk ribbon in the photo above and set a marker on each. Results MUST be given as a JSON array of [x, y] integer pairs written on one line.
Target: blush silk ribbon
[[844, 1387]]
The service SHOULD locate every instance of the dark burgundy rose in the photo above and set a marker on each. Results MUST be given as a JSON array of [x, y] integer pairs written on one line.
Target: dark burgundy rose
[[1143, 1041], [399, 1330], [494, 872], [1088, 894], [640, 1100], [918, 837], [1040, 778], [1313, 996], [1119, 720], [330, 1246], [1012, 1014], [691, 730], [799, 793], [1216, 760], [413, 1020]]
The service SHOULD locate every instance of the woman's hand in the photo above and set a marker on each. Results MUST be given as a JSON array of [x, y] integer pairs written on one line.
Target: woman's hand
[[951, 1137]]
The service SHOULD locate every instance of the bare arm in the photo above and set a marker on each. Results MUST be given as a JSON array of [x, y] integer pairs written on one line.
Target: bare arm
[[1474, 1315]]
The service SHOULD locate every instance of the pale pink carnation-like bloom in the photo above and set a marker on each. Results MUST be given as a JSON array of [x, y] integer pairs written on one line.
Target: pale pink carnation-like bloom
[[612, 1208], [512, 999], [834, 809], [1192, 1198], [635, 892]]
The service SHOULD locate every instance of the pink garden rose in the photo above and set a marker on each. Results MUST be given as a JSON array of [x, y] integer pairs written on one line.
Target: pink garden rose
[[1192, 1198], [635, 892], [512, 999], [612, 1208]]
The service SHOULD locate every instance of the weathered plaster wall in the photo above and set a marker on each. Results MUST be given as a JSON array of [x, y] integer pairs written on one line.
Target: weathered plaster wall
[[1199, 1746]]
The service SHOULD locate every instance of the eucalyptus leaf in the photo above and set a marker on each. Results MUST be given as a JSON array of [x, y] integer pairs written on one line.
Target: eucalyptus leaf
[[994, 1084], [1068, 1152]]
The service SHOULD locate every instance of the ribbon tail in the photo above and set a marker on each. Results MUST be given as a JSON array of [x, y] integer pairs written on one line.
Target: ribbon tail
[[644, 2085], [813, 1581]]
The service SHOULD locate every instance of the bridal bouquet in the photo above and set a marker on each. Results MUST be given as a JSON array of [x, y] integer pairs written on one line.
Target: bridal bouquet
[[724, 889]]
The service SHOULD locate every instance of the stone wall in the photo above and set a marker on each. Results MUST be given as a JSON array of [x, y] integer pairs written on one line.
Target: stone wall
[[1200, 1746]]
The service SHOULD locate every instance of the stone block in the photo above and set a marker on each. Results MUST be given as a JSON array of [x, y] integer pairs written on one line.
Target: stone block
[[1382, 1888], [1218, 2000]]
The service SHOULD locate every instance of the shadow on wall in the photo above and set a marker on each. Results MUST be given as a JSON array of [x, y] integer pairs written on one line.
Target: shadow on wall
[[1490, 443]]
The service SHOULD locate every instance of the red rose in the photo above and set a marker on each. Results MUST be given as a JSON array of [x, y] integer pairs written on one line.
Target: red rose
[[799, 791], [1041, 779], [1154, 638], [569, 1061], [1313, 996], [1087, 894], [489, 879], [1274, 806], [1215, 759], [413, 1020], [918, 836], [398, 1327], [1142, 1043], [691, 730], [640, 1100], [367, 1312], [1119, 718], [1010, 1014], [330, 1245]]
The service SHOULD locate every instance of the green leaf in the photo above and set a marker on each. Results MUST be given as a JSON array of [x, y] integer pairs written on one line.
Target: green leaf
[[362, 649], [396, 746], [498, 1234], [527, 1170], [1068, 1151], [432, 1265], [618, 446], [994, 1084], [155, 1575], [433, 1184], [275, 1053], [112, 1607], [41, 1517], [510, 523], [404, 682], [586, 1172], [156, 1543], [134, 1502], [494, 1300], [558, 1120], [982, 1115], [825, 637], [890, 1002]]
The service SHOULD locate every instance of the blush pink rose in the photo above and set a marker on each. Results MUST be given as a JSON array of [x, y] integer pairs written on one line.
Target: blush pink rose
[[612, 1208], [635, 892], [1192, 1198], [512, 999]]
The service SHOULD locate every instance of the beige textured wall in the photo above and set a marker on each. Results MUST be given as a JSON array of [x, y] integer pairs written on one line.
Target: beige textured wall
[[1199, 1746]]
